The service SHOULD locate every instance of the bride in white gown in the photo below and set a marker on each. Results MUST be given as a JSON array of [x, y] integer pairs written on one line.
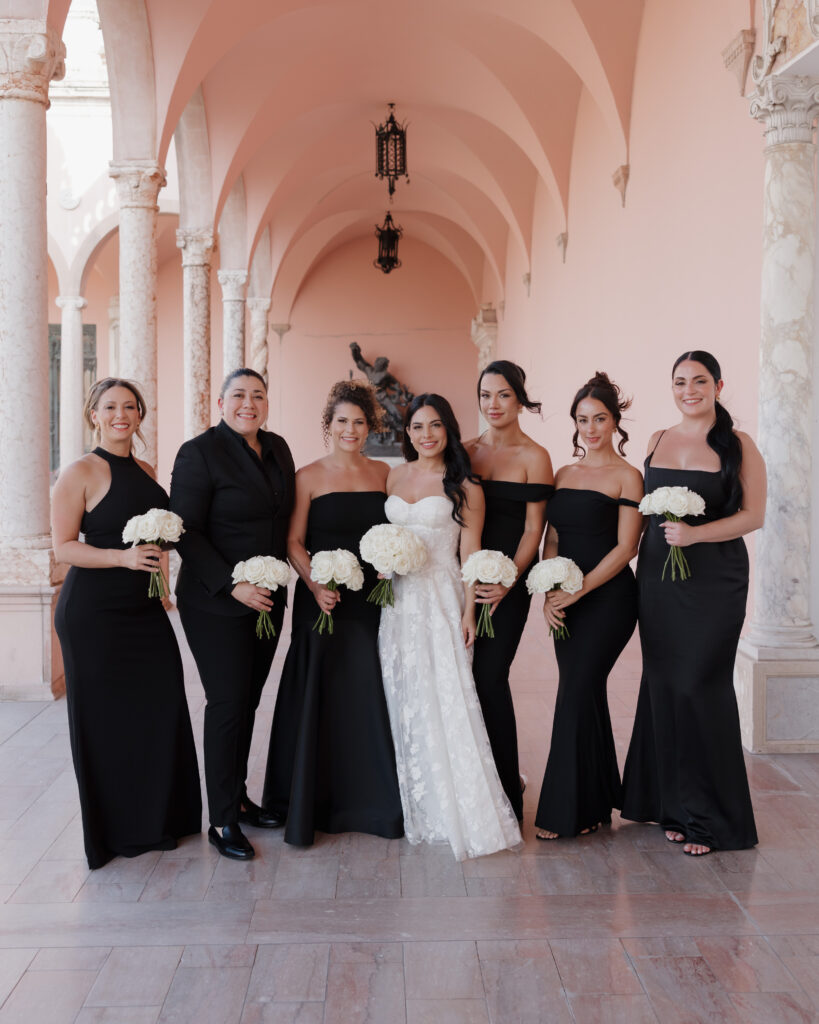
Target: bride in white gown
[[450, 790]]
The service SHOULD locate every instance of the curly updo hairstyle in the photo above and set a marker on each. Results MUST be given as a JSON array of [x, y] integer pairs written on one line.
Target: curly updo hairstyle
[[607, 392], [515, 377], [358, 393], [95, 395]]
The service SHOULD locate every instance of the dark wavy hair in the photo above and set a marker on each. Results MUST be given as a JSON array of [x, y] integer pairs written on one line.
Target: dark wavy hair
[[601, 387], [456, 461], [721, 437], [515, 377], [355, 392], [242, 371]]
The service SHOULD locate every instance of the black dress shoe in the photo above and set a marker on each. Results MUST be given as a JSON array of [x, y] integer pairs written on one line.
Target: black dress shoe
[[231, 843], [258, 817]]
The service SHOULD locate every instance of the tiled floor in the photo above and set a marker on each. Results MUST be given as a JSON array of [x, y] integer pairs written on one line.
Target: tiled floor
[[614, 927]]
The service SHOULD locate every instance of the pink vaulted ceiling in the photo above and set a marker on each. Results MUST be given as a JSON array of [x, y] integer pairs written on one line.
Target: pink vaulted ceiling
[[491, 91]]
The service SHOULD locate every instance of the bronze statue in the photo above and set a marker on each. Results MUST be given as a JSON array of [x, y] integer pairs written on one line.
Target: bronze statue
[[393, 397]]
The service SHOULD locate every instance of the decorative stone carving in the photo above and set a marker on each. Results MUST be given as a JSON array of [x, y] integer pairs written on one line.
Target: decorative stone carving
[[737, 56], [393, 397], [31, 56], [787, 106], [763, 63], [138, 183], [563, 243], [233, 318], [258, 309], [197, 248], [620, 179], [485, 334]]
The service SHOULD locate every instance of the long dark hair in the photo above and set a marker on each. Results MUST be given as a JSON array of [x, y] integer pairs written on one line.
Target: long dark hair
[[457, 467], [721, 436], [607, 392], [515, 377]]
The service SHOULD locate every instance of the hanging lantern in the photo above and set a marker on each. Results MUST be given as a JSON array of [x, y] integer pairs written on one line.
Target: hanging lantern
[[387, 235], [391, 151]]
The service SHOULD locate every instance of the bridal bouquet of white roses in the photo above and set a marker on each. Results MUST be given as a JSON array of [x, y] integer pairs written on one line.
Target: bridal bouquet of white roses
[[263, 571], [674, 503], [156, 526], [556, 573], [391, 549], [337, 568], [486, 566]]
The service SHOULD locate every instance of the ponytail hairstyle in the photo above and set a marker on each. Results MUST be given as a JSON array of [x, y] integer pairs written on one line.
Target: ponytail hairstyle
[[456, 461], [607, 392], [721, 436], [515, 377], [95, 395]]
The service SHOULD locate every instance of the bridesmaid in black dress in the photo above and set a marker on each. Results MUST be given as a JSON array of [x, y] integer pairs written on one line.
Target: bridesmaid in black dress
[[131, 737], [685, 767], [517, 479], [593, 519], [331, 763]]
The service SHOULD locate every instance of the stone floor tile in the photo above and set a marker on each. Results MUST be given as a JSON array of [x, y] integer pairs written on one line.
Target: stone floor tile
[[677, 873], [69, 844], [293, 973], [363, 993], [52, 881], [218, 956], [612, 1009], [283, 1013], [47, 996], [594, 966], [431, 871], [118, 1015], [308, 879], [14, 800], [366, 953], [746, 964], [84, 958], [559, 874], [499, 885], [109, 892], [683, 989], [6, 892], [13, 965], [179, 878], [243, 880], [135, 976], [782, 913], [447, 1011], [206, 995], [18, 858], [665, 945], [770, 1007], [127, 870], [524, 991], [369, 867], [512, 949], [442, 970]]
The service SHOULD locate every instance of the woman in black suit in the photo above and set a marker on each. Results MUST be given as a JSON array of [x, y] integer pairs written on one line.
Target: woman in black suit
[[233, 487]]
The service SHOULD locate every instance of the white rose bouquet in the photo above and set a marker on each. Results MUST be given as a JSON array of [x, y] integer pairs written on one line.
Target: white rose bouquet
[[486, 566], [674, 503], [391, 549], [263, 571], [156, 526], [556, 573], [337, 568]]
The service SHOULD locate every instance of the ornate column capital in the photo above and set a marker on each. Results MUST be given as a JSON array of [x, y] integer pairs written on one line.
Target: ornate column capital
[[233, 284], [258, 307], [196, 245], [138, 183], [485, 333], [280, 329], [787, 105], [31, 56], [75, 302]]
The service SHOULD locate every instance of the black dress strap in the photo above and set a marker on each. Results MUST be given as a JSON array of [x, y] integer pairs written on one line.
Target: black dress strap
[[654, 449], [628, 502]]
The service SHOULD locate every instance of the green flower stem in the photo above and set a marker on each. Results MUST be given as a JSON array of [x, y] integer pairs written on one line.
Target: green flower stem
[[382, 594], [485, 626], [265, 629], [676, 558], [325, 619], [157, 585]]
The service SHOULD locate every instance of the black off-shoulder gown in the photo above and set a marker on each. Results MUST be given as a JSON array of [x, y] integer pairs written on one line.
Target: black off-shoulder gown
[[503, 527], [581, 784], [331, 761], [130, 730], [685, 767]]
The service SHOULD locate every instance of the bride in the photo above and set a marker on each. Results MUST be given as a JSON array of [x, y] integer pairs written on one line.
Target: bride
[[450, 789]]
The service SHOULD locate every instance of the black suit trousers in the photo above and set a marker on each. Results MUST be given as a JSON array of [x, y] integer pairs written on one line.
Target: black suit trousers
[[233, 665]]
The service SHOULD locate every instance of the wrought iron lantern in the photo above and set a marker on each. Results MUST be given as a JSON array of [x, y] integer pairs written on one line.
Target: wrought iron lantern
[[388, 235], [391, 151]]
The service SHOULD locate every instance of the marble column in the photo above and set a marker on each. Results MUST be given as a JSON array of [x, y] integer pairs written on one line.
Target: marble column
[[258, 309], [113, 336], [233, 318], [138, 184], [484, 332], [197, 249], [31, 55], [275, 388], [71, 378], [777, 674]]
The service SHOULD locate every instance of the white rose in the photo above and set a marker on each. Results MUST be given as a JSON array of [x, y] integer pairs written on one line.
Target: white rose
[[276, 573], [509, 571], [239, 573], [321, 567], [541, 577], [255, 570], [356, 581], [150, 525], [129, 532], [170, 527], [344, 566], [696, 504], [573, 581], [677, 504]]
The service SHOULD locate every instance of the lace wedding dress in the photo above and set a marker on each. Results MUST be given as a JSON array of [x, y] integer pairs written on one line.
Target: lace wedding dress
[[449, 785]]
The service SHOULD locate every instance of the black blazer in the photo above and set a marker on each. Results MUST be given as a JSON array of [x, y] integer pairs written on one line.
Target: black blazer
[[230, 513]]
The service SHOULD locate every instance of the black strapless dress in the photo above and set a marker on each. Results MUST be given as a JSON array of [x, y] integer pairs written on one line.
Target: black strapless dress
[[131, 737], [503, 527], [331, 762], [581, 784], [685, 767]]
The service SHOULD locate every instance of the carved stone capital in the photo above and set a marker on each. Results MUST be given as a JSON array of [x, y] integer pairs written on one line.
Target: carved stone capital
[[74, 302], [620, 179], [258, 308], [737, 56], [484, 331], [787, 106], [31, 56], [233, 284], [280, 329], [138, 183], [196, 245]]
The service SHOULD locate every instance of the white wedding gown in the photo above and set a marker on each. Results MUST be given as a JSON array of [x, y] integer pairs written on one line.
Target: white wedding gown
[[450, 790]]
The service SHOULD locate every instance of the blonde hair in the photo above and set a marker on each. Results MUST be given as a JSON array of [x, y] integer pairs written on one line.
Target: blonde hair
[[94, 397]]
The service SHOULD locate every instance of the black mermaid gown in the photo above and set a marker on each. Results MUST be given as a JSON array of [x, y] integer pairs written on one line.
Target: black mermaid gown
[[685, 767], [331, 762], [130, 730], [503, 527], [581, 784]]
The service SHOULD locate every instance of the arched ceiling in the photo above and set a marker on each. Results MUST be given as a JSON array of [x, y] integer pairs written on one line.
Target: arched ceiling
[[276, 99]]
